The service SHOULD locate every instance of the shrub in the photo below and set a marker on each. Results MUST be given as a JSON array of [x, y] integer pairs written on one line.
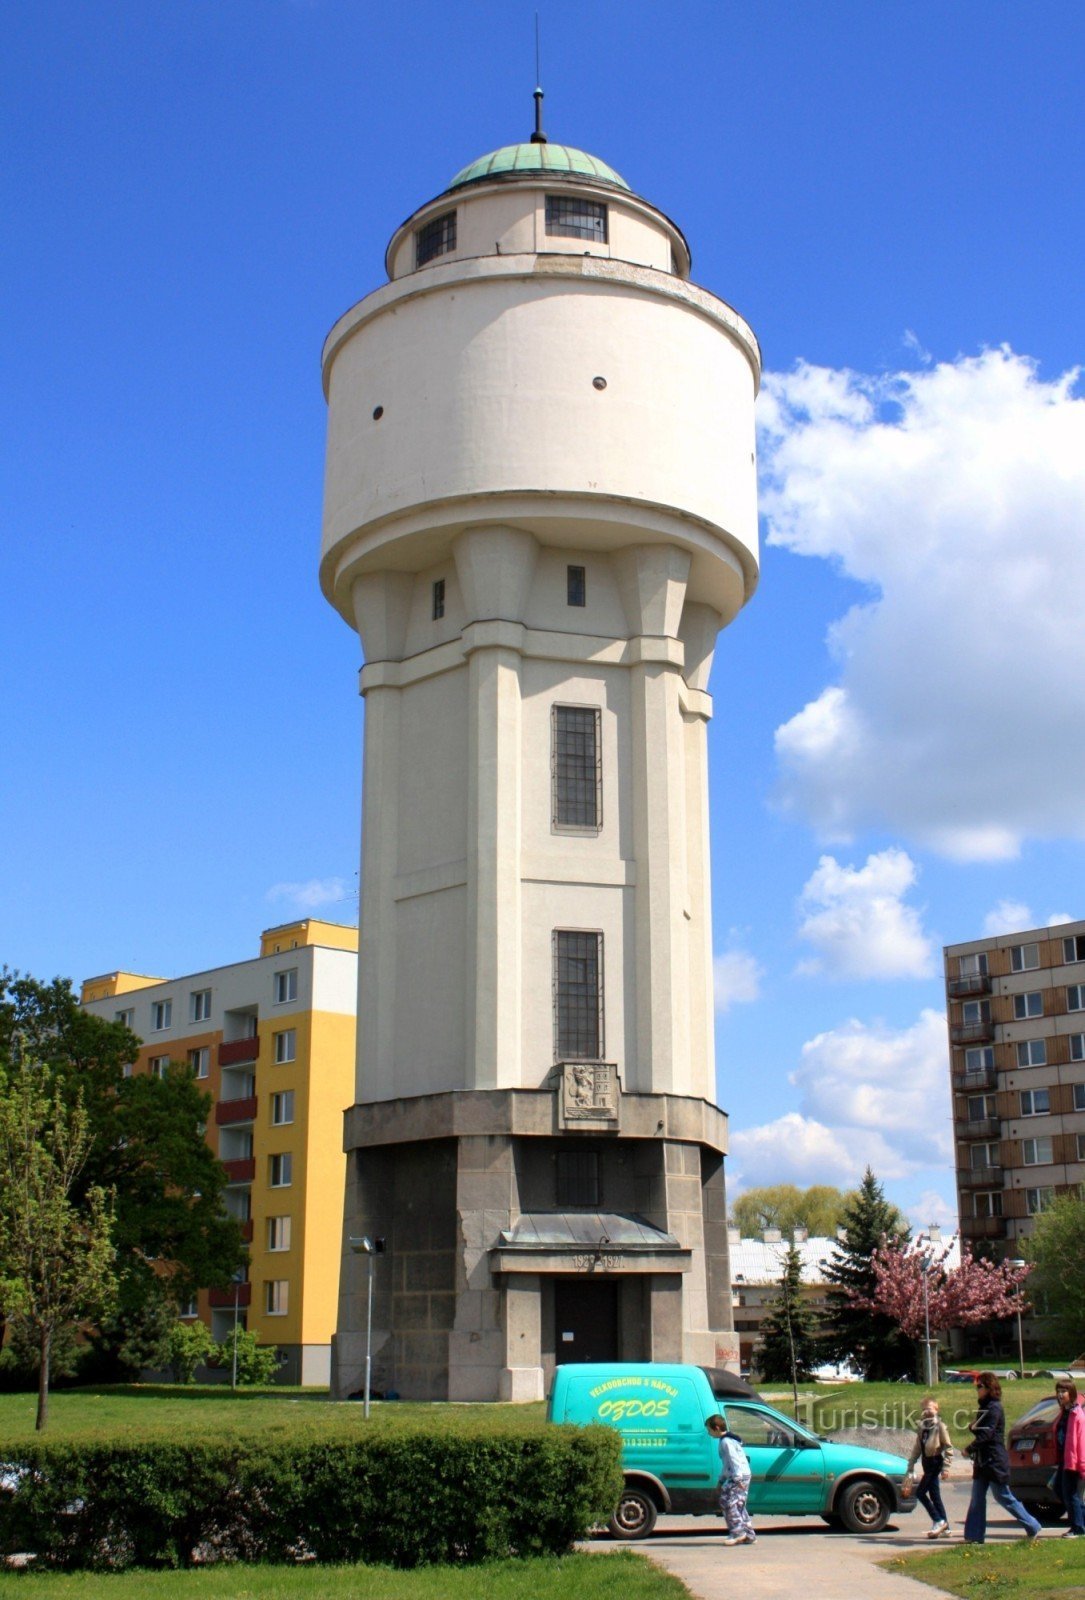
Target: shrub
[[189, 1345], [404, 1499], [256, 1362]]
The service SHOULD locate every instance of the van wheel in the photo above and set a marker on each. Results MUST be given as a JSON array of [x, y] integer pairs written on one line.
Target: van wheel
[[831, 1519], [634, 1515], [864, 1507]]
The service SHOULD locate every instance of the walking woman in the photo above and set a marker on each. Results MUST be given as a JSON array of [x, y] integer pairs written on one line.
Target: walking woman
[[1070, 1438], [991, 1464], [934, 1448]]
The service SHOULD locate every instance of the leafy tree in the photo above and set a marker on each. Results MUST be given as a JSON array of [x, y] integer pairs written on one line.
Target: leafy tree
[[146, 1146], [819, 1209], [256, 1362], [56, 1249], [789, 1347], [189, 1346], [1056, 1249], [854, 1331]]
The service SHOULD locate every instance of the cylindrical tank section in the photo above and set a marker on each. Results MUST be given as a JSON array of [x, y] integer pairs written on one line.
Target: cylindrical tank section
[[590, 400]]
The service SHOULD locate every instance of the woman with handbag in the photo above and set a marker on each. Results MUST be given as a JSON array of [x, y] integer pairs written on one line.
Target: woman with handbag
[[1070, 1439], [991, 1464]]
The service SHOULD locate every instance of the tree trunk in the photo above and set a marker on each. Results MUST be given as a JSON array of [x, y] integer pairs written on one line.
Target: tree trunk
[[44, 1352]]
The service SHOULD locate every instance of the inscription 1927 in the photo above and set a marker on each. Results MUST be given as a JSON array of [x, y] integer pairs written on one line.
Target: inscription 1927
[[597, 1262]]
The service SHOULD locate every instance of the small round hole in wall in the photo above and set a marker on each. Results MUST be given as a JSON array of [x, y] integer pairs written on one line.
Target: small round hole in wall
[[378, 413], [598, 383]]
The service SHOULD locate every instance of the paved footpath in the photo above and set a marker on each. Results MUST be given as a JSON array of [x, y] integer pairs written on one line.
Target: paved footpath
[[800, 1559]]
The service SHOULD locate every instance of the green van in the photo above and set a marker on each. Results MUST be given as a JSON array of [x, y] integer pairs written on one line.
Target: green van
[[672, 1465]]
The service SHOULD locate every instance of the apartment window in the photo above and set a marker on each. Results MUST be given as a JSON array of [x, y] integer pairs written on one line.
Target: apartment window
[[1036, 1152], [278, 1233], [576, 586], [1024, 957], [569, 216], [286, 1044], [276, 1297], [435, 238], [1037, 1200], [577, 1178], [575, 767], [159, 1065], [280, 1173], [987, 1203], [983, 1155], [282, 1108], [1075, 997], [578, 996], [1079, 1096], [981, 1058], [126, 1018], [974, 966], [200, 1005], [438, 599], [1032, 1053], [189, 1308], [200, 1062], [286, 986], [974, 1011], [126, 1070], [1073, 949], [982, 1106], [1081, 1146], [1028, 1005], [1077, 1047], [161, 1015], [1035, 1102]]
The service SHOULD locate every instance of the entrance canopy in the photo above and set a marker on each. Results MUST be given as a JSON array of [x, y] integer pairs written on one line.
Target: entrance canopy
[[587, 1241]]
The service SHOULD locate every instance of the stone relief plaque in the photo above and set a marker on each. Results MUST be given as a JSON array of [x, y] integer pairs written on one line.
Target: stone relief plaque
[[589, 1091]]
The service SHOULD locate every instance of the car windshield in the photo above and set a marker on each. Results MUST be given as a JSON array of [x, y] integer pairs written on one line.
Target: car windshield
[[758, 1425]]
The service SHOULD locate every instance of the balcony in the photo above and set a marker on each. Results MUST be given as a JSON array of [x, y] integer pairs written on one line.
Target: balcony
[[972, 1032], [980, 1178], [978, 1127], [223, 1299], [243, 1170], [231, 1051], [228, 1112], [975, 983], [983, 1227], [981, 1078]]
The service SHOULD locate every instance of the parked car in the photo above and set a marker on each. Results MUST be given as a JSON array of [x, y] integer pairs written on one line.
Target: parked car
[[672, 1465], [1034, 1457]]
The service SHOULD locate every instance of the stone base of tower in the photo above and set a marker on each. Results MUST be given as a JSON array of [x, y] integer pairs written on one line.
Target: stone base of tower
[[523, 1229]]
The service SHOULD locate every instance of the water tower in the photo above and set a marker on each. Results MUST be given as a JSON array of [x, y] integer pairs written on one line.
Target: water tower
[[540, 509]]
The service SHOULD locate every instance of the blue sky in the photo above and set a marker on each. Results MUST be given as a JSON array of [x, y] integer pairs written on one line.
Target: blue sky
[[890, 194]]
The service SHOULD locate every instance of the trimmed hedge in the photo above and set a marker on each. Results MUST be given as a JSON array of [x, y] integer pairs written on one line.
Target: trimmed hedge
[[405, 1500]]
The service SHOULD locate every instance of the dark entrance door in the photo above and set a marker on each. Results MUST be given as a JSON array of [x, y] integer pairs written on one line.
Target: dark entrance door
[[585, 1319]]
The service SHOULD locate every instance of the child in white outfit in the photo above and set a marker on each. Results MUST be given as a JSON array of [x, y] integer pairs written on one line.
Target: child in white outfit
[[734, 1482]]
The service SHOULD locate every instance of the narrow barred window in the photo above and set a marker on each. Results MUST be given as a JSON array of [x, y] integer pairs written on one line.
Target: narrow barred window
[[578, 996], [436, 238], [576, 586], [577, 1178], [575, 767]]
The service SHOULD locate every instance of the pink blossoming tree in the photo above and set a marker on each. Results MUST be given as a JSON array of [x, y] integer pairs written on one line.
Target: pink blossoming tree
[[976, 1291]]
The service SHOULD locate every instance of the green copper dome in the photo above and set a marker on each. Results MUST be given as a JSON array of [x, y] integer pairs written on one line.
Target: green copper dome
[[512, 160]]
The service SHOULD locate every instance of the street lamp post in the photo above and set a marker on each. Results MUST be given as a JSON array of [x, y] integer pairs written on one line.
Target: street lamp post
[[1018, 1263], [933, 1237], [365, 1246]]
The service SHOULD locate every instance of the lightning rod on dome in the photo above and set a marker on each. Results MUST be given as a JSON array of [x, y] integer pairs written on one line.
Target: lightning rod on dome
[[538, 137]]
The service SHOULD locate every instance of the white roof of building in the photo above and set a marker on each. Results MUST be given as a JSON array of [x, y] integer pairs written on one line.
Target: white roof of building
[[757, 1262]]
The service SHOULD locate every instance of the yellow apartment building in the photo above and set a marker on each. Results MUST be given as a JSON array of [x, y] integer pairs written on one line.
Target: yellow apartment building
[[272, 1041]]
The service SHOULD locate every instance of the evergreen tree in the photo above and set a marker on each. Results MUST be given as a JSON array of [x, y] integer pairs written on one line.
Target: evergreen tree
[[868, 1339], [788, 1351]]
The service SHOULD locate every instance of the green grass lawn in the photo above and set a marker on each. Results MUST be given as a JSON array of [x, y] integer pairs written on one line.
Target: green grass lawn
[[621, 1575], [1046, 1569], [896, 1405], [142, 1411]]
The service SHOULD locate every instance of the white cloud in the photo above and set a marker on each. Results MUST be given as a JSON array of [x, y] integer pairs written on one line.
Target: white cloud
[[1057, 918], [736, 978], [1009, 916], [869, 1095], [933, 1207], [857, 922], [313, 893], [954, 494]]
